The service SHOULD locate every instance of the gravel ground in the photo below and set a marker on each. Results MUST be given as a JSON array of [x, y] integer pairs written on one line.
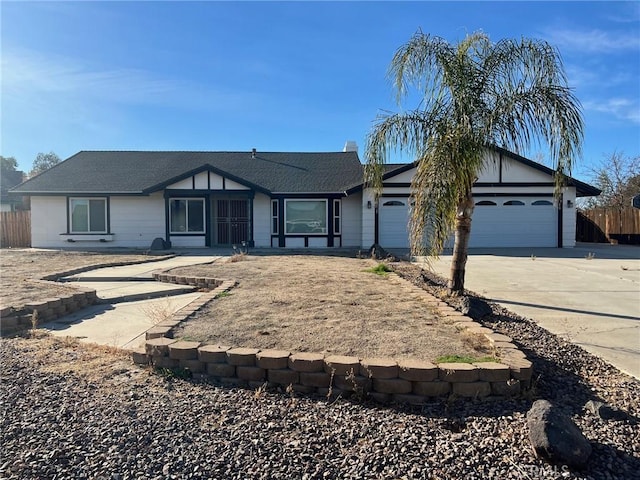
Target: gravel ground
[[69, 410]]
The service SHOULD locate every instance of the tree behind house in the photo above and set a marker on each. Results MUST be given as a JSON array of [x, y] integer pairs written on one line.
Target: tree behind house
[[618, 176], [44, 161]]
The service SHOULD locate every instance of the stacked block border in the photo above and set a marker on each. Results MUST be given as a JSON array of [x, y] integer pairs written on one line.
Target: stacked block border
[[14, 319], [382, 379]]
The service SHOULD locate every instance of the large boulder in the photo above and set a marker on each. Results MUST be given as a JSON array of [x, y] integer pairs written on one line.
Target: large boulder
[[555, 437], [158, 244]]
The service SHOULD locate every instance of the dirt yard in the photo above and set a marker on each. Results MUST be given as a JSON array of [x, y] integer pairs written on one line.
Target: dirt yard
[[21, 271], [320, 304]]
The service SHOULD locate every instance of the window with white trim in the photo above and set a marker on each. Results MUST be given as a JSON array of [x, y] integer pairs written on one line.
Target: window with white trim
[[186, 215], [337, 215], [305, 217], [88, 215]]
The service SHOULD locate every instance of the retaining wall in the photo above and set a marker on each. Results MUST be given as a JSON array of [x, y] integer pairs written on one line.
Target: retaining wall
[[15, 319], [383, 379]]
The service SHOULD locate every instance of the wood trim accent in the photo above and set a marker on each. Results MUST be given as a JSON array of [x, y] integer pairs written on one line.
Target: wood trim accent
[[500, 194], [396, 184], [514, 184]]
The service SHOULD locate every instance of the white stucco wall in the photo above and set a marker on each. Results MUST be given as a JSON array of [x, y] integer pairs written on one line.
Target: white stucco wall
[[188, 241], [569, 218], [352, 220], [368, 218], [262, 220], [48, 221], [136, 221]]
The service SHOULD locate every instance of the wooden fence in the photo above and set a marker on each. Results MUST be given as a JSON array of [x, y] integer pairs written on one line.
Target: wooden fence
[[15, 229], [605, 225]]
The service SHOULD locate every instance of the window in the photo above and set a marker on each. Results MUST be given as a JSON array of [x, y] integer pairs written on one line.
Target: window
[[305, 216], [274, 217], [511, 203], [187, 215], [542, 202], [486, 203], [393, 203], [88, 215], [336, 216]]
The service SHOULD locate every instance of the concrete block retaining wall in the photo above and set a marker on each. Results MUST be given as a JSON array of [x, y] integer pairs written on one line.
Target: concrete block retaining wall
[[20, 317], [15, 319], [383, 379], [198, 282]]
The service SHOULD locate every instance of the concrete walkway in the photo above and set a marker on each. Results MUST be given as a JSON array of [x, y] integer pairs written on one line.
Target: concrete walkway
[[132, 302], [589, 295]]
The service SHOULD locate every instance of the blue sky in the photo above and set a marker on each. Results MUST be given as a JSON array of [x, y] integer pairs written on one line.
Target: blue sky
[[277, 76]]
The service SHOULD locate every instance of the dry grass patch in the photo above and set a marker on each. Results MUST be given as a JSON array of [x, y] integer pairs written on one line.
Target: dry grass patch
[[321, 304]]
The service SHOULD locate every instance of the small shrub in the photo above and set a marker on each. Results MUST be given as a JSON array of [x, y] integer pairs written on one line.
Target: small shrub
[[157, 312], [464, 359], [34, 320], [171, 373], [237, 257], [477, 341], [381, 269], [223, 294]]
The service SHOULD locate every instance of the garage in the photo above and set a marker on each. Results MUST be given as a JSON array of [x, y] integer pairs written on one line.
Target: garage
[[514, 222], [497, 222]]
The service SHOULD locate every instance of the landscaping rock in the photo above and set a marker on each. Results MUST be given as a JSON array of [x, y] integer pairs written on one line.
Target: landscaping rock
[[158, 244], [379, 253], [555, 437], [604, 411], [474, 307]]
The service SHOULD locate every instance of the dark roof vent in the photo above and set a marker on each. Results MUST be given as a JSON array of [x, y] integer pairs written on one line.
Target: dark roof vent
[[253, 153]]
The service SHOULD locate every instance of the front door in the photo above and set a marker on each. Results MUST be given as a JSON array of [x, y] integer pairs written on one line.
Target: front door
[[231, 221]]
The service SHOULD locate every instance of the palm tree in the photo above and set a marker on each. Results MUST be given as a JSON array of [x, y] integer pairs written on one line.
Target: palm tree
[[473, 95]]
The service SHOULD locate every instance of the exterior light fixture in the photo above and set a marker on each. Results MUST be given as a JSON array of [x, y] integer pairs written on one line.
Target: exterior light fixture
[[569, 204], [369, 204]]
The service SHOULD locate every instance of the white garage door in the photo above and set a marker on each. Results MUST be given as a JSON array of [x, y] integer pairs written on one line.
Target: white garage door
[[394, 223], [497, 222], [514, 222]]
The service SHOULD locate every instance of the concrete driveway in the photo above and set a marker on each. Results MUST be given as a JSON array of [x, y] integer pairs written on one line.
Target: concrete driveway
[[589, 295]]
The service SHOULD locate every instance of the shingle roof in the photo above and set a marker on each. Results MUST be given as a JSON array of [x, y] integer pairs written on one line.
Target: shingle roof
[[9, 179], [135, 172]]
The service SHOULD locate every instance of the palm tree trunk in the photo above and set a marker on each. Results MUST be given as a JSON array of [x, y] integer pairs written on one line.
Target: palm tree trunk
[[461, 245]]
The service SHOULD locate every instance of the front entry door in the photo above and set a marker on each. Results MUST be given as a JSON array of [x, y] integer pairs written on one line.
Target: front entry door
[[232, 221]]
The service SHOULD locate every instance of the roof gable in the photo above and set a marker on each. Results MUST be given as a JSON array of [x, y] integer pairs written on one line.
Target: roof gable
[[516, 167]]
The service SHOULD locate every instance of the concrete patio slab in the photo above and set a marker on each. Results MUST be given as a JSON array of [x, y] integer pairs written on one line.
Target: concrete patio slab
[[122, 318], [143, 270], [122, 325], [116, 292]]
